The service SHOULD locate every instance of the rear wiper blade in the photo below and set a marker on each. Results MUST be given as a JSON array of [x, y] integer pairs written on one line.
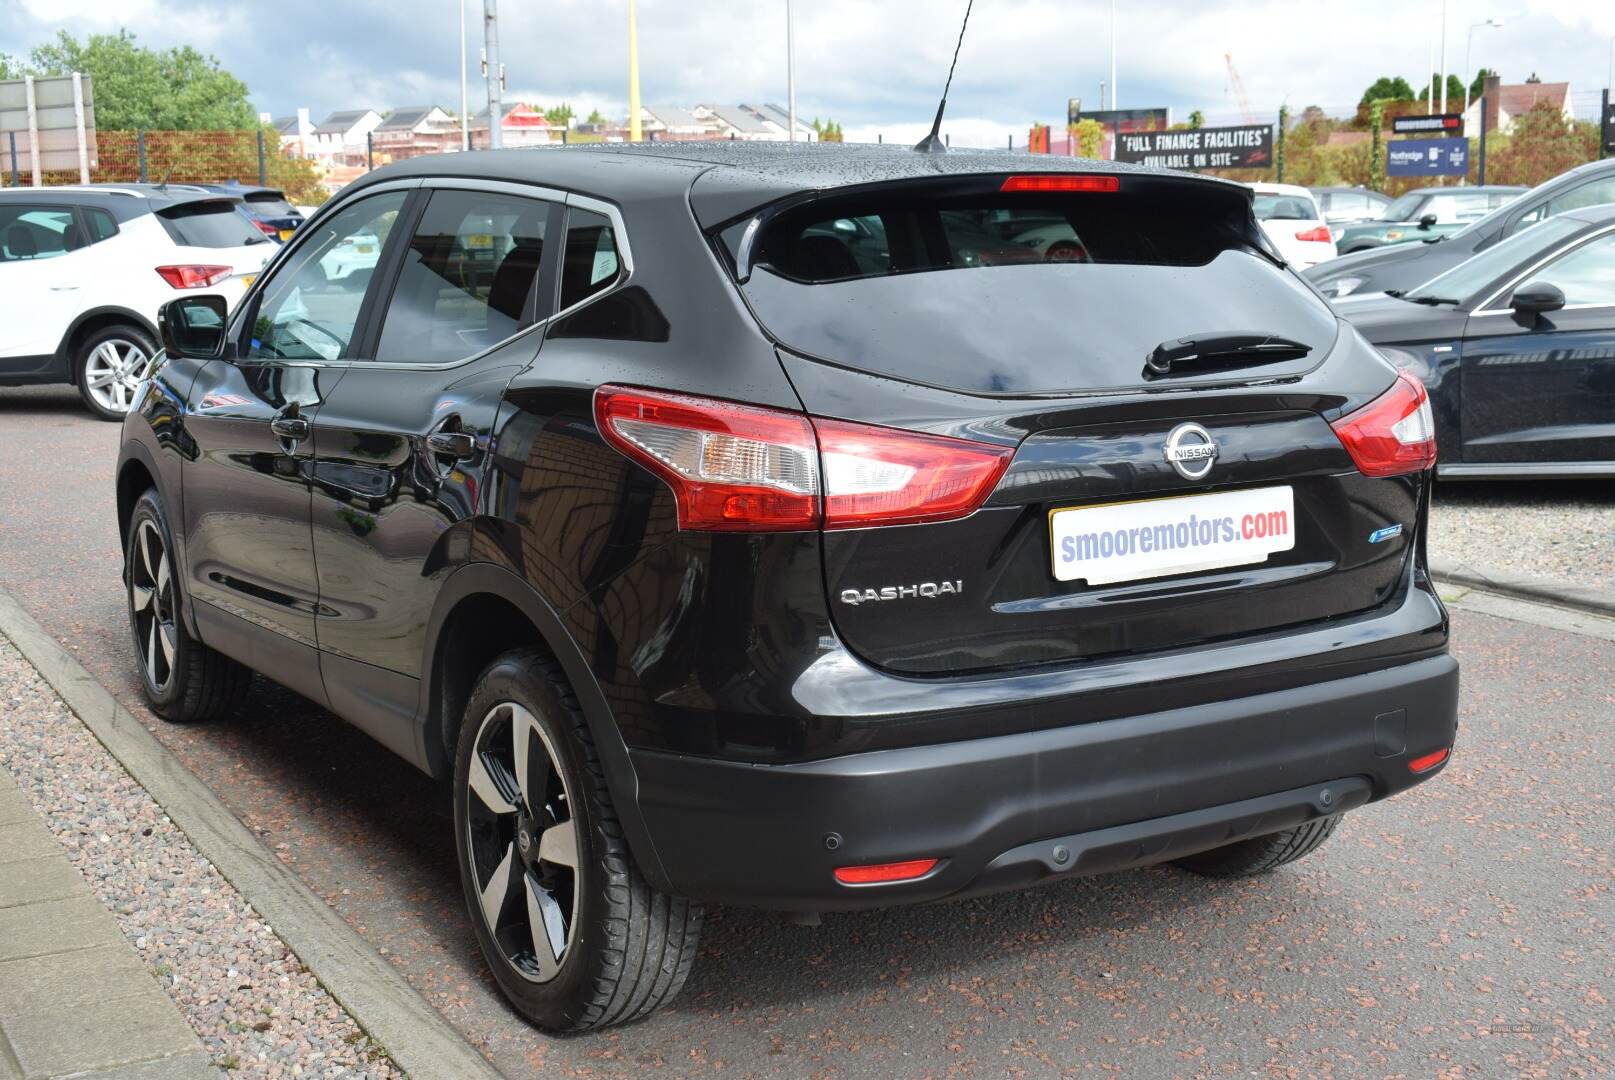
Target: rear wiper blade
[[1219, 350]]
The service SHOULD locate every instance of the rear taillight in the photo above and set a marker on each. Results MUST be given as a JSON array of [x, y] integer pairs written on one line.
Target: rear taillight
[[1393, 434], [751, 469], [1320, 235], [194, 275], [882, 873], [266, 228]]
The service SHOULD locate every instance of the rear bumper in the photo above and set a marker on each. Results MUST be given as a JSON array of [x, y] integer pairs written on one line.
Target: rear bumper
[[1114, 794]]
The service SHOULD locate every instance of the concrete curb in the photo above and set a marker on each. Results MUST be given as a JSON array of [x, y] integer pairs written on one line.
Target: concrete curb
[[376, 994], [1525, 587]]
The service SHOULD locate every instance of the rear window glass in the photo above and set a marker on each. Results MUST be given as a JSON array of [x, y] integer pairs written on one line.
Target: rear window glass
[[1284, 208], [209, 224], [1069, 292], [269, 204], [841, 240]]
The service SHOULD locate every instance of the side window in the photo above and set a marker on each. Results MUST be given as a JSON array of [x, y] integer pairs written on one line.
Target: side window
[[37, 232], [1592, 193], [469, 278], [591, 264], [101, 225], [1585, 275], [310, 306]]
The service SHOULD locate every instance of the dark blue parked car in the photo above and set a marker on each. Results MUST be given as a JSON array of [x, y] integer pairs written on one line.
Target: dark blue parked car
[[265, 207]]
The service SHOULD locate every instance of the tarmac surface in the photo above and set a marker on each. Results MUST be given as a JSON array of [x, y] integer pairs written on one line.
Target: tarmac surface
[[1462, 929]]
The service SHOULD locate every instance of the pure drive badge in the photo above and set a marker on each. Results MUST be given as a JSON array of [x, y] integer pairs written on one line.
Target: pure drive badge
[[928, 589]]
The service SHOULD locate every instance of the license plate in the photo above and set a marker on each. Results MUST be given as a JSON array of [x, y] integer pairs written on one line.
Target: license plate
[[366, 249], [247, 280], [286, 234], [1156, 537]]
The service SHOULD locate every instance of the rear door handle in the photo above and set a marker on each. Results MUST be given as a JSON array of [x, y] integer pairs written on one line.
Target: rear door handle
[[289, 427], [451, 444]]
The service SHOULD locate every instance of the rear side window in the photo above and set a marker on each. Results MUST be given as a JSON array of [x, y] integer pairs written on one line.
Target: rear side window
[[591, 264], [37, 232], [212, 223], [470, 277], [102, 227]]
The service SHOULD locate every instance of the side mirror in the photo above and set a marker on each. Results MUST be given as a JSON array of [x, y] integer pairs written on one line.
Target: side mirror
[[1536, 297], [1427, 221], [193, 326]]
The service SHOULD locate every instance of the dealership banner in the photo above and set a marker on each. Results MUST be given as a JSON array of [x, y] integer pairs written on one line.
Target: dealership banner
[[1427, 157], [1246, 147], [1437, 124]]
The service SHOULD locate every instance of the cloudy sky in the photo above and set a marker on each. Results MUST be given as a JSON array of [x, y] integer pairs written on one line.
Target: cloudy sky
[[873, 65]]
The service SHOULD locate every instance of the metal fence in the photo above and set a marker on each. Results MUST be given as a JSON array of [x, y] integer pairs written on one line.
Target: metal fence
[[152, 156]]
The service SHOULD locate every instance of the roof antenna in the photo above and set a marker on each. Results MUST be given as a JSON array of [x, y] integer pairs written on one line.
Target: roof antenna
[[162, 185], [932, 143]]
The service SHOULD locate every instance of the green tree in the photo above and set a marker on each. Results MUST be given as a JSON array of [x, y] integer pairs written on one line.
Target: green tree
[[1479, 84], [9, 68], [175, 89], [1197, 119], [1541, 144], [596, 118], [1455, 91], [560, 115], [1396, 87], [1090, 136]]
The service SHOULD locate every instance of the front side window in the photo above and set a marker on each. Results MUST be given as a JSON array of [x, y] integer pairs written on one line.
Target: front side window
[[37, 232], [310, 306], [591, 264], [1586, 275], [469, 279]]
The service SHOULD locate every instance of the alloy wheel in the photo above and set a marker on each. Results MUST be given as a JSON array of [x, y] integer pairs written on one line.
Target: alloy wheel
[[522, 842], [112, 372], [151, 604]]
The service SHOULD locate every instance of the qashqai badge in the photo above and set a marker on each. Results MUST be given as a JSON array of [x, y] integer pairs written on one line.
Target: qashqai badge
[[1191, 450]]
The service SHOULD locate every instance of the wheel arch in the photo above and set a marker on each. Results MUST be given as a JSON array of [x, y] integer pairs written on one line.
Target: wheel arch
[[99, 318], [483, 611]]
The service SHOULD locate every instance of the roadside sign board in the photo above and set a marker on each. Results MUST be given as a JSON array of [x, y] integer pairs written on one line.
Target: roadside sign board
[[1448, 124], [1427, 157], [54, 118], [1608, 125], [1249, 146], [1120, 119]]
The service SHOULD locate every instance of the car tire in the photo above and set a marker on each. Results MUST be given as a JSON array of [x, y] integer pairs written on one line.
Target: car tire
[[625, 948], [1261, 854], [183, 679], [108, 365]]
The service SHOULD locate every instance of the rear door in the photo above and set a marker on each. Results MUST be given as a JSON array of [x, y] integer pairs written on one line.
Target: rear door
[[250, 553], [1255, 515], [401, 446], [1540, 391]]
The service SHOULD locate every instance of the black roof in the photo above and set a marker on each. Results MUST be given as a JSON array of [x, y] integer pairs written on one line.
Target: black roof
[[122, 201], [736, 176]]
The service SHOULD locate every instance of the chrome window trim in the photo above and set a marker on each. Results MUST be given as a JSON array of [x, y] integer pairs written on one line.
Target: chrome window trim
[[501, 187], [1564, 249]]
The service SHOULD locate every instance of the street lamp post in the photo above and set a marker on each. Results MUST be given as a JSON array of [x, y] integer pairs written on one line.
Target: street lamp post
[[1443, 56], [1113, 98], [465, 117], [790, 71], [1469, 44]]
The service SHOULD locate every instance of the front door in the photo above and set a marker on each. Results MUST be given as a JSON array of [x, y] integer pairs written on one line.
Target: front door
[[401, 445], [43, 257], [249, 552], [1540, 391]]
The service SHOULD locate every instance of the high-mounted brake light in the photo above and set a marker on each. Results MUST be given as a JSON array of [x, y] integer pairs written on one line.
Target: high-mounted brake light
[[745, 468], [194, 275], [1319, 235], [1393, 434], [1058, 182], [884, 872]]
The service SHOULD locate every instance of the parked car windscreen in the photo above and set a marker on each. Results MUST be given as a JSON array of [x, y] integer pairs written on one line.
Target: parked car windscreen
[[209, 223], [1402, 209], [872, 283]]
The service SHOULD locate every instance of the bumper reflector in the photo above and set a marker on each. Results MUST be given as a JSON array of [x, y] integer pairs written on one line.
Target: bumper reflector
[[1428, 761], [884, 872]]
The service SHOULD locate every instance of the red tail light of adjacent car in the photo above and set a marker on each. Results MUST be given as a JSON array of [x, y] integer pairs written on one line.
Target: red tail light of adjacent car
[[194, 275], [1320, 235]]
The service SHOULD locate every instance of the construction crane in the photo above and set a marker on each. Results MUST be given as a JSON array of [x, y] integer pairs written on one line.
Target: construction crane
[[1239, 90]]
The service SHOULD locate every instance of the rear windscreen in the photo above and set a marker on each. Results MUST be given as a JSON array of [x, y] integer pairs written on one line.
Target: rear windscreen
[[1071, 292], [269, 204], [210, 224]]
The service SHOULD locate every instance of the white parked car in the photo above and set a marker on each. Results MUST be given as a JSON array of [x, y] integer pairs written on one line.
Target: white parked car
[[83, 271], [1290, 216]]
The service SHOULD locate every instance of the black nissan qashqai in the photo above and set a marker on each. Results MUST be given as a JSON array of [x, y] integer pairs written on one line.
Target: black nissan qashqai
[[780, 526]]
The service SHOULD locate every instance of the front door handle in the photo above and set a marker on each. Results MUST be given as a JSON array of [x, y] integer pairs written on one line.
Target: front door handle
[[289, 427], [458, 445]]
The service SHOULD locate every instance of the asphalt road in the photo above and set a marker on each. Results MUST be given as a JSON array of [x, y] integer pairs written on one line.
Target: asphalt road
[[1464, 929]]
